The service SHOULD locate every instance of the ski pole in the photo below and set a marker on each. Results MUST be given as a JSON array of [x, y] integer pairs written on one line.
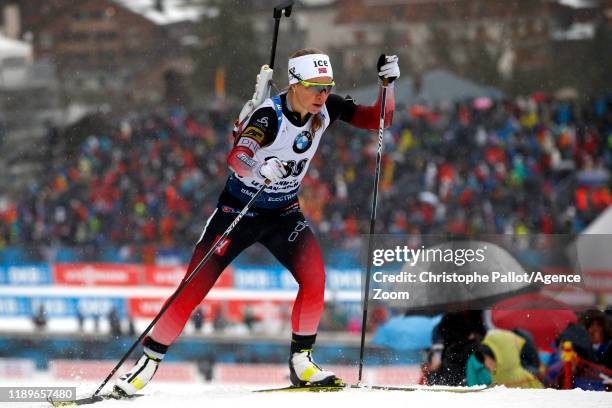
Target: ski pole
[[381, 128], [182, 286]]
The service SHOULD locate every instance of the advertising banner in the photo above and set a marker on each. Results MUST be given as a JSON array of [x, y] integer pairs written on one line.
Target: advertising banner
[[14, 306], [17, 368], [263, 278], [277, 373], [26, 275], [172, 275], [278, 278], [234, 310], [97, 274], [57, 306], [94, 370]]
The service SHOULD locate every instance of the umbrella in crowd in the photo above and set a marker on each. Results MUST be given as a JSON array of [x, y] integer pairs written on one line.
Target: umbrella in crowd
[[406, 333], [544, 317], [429, 296]]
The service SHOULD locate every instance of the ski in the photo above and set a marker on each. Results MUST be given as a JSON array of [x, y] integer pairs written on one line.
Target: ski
[[306, 388], [427, 388], [336, 388], [92, 399]]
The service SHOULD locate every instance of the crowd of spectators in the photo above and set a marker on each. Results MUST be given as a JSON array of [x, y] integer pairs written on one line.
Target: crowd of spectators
[[469, 354], [525, 166]]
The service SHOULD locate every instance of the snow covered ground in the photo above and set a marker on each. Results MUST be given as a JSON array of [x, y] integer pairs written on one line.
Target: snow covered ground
[[172, 395]]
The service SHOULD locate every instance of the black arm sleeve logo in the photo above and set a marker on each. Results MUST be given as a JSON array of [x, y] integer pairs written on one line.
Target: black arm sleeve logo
[[262, 127]]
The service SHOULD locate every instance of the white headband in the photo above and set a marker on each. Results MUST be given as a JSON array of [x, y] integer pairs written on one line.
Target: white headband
[[309, 66]]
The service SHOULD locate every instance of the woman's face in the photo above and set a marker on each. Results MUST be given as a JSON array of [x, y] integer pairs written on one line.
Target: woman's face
[[310, 98]]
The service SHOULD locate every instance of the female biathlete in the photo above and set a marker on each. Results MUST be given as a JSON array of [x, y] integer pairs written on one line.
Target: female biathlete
[[277, 144]]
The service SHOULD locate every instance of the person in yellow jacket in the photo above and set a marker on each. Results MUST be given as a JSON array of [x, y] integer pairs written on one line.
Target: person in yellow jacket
[[500, 352]]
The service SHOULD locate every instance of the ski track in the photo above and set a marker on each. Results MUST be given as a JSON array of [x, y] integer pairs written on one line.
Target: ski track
[[198, 395]]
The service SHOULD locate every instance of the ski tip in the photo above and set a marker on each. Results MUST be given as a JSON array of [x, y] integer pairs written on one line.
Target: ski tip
[[91, 400], [76, 402]]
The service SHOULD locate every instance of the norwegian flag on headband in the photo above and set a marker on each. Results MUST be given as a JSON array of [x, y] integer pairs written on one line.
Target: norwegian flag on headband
[[322, 70]]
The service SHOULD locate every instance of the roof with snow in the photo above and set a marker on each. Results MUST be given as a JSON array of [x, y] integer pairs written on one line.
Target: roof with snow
[[174, 11], [578, 3], [577, 31], [14, 48]]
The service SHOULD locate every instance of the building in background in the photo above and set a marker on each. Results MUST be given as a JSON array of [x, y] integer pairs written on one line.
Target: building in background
[[487, 41], [142, 50], [29, 102], [124, 49]]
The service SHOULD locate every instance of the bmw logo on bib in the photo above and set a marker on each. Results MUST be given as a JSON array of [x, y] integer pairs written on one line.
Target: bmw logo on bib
[[302, 142]]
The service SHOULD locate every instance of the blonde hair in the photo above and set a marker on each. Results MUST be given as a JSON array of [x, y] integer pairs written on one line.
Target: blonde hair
[[317, 121]]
